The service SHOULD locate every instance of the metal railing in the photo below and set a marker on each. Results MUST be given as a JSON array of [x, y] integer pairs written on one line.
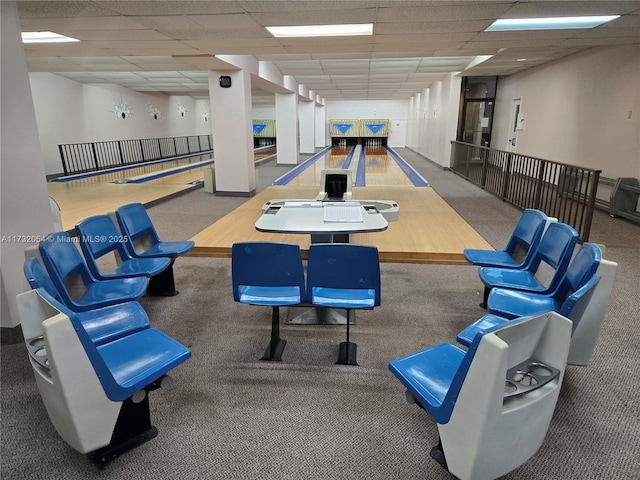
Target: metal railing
[[563, 191], [96, 156]]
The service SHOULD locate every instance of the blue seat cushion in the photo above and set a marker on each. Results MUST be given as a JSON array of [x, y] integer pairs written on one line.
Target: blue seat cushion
[[138, 266], [507, 278], [271, 296], [108, 292], [136, 360], [168, 249], [343, 297], [106, 324], [513, 303], [483, 324], [498, 258], [428, 374]]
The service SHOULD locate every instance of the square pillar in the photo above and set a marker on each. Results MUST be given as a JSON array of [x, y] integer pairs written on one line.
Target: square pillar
[[287, 128], [232, 129], [306, 112]]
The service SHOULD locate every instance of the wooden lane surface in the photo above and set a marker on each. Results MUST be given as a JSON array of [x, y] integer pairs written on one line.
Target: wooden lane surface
[[382, 169], [179, 178], [120, 175], [428, 229], [80, 201], [310, 176]]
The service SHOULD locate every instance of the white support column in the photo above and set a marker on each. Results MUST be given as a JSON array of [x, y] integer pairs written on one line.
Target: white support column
[[232, 128], [26, 212], [321, 124], [287, 128], [306, 110]]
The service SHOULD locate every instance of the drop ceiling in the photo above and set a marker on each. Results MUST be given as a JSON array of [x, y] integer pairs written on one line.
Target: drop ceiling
[[168, 46]]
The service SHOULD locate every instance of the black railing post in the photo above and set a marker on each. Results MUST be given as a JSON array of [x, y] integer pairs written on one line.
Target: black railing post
[[95, 157], [64, 162], [485, 161], [120, 153], [468, 164], [538, 194], [507, 175], [591, 202]]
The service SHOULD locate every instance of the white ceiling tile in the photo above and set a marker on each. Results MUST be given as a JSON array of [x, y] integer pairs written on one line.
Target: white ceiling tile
[[67, 25], [176, 41], [477, 11]]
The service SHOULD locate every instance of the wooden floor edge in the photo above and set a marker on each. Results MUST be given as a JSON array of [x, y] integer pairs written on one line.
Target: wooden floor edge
[[385, 257]]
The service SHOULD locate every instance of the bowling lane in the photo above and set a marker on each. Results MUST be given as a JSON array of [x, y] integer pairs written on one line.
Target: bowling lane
[[382, 170], [310, 176], [119, 175]]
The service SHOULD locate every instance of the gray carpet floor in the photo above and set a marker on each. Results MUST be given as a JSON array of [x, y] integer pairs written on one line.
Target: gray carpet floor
[[231, 416]]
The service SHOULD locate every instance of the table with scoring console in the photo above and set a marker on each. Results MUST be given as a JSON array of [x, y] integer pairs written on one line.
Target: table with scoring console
[[315, 218]]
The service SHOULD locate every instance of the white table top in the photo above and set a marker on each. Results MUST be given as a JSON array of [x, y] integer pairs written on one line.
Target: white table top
[[308, 217]]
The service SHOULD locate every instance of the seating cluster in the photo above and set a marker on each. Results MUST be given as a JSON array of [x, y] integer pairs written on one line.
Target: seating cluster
[[494, 401], [91, 345]]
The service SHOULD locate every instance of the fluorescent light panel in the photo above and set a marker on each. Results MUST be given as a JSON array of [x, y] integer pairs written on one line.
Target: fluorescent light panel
[[551, 23], [322, 30], [46, 37]]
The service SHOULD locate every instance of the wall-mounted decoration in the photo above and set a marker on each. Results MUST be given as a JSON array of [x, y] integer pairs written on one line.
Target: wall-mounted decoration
[[205, 116], [264, 128], [344, 128], [154, 112], [374, 128], [182, 109], [122, 109]]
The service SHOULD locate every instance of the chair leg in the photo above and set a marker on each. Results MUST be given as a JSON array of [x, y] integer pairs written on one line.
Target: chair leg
[[348, 352], [276, 345], [485, 297], [437, 453], [163, 284], [133, 428]]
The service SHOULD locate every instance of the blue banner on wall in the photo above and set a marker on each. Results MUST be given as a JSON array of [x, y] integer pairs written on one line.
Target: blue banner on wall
[[375, 127], [258, 128], [343, 127]]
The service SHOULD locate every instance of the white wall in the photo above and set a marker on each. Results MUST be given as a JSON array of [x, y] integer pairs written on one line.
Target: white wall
[[25, 214], [71, 112], [394, 110], [583, 110], [264, 112], [434, 113]]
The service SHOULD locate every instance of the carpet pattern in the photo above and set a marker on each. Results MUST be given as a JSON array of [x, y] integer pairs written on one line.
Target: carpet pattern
[[231, 416]]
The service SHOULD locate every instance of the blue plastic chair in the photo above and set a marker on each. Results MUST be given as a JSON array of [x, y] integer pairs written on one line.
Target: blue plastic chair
[[342, 275], [508, 381], [570, 299], [96, 395], [513, 303], [101, 324], [144, 242], [573, 309], [269, 274], [75, 283], [553, 253], [99, 237], [520, 248]]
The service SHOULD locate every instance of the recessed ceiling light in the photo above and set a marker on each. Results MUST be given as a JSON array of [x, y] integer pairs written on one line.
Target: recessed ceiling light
[[551, 23], [322, 30], [521, 59], [46, 37]]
